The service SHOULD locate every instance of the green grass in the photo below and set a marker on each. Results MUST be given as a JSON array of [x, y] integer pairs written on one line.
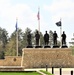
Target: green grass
[[19, 73], [46, 72]]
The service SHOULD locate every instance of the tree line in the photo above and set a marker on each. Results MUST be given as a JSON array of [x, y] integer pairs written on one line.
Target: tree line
[[8, 44]]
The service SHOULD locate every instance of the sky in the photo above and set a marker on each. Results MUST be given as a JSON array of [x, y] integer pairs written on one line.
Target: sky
[[51, 11]]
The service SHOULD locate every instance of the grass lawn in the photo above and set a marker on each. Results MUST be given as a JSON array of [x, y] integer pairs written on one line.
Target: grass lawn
[[19, 73]]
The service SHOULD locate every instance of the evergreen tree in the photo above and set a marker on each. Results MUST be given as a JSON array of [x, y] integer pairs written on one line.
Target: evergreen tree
[[24, 39], [11, 46], [3, 42], [72, 42], [50, 38]]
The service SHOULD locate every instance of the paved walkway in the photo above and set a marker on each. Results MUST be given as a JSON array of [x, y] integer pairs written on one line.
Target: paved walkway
[[65, 71], [41, 72], [38, 70]]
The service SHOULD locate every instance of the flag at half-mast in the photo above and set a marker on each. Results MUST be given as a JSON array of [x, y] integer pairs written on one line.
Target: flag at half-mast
[[16, 25], [58, 23], [38, 15]]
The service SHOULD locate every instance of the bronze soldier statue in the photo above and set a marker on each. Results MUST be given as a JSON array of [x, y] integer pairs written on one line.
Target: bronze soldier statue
[[55, 38], [37, 37], [46, 38], [29, 39], [63, 38]]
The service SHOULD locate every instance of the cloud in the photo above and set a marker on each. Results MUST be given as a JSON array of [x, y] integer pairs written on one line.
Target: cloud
[[61, 8], [9, 12], [26, 16]]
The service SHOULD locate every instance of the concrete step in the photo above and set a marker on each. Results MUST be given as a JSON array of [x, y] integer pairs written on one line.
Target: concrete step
[[11, 68]]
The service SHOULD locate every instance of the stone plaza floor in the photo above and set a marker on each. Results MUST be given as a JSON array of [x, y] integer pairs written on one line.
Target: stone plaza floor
[[65, 71]]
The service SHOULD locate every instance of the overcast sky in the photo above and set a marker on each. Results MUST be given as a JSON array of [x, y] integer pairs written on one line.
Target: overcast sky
[[50, 12]]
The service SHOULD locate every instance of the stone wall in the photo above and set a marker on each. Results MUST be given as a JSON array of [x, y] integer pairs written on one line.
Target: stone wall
[[11, 61], [53, 57], [40, 57]]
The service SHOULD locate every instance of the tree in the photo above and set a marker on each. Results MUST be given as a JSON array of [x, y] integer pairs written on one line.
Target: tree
[[20, 38], [24, 39], [41, 39], [3, 37], [3, 42], [2, 54], [11, 46], [50, 37], [72, 44]]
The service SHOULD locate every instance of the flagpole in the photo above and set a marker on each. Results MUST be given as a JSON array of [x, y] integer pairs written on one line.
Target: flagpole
[[39, 29], [60, 34], [16, 38], [60, 24], [39, 22]]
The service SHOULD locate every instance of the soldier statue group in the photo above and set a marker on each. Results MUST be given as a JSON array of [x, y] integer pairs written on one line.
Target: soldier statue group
[[46, 38]]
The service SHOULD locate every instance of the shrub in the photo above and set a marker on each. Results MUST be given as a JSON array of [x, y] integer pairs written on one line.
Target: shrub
[[2, 54]]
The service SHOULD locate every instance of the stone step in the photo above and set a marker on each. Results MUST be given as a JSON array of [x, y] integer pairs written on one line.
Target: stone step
[[11, 69]]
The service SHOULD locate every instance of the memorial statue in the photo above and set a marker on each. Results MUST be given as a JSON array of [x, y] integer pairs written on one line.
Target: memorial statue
[[37, 37], [63, 38], [55, 38], [29, 39], [46, 38]]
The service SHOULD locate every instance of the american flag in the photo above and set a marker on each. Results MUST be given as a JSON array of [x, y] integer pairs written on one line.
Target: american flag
[[38, 15]]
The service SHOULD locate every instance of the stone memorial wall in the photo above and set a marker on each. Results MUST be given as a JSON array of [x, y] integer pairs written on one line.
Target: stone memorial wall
[[52, 57]]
